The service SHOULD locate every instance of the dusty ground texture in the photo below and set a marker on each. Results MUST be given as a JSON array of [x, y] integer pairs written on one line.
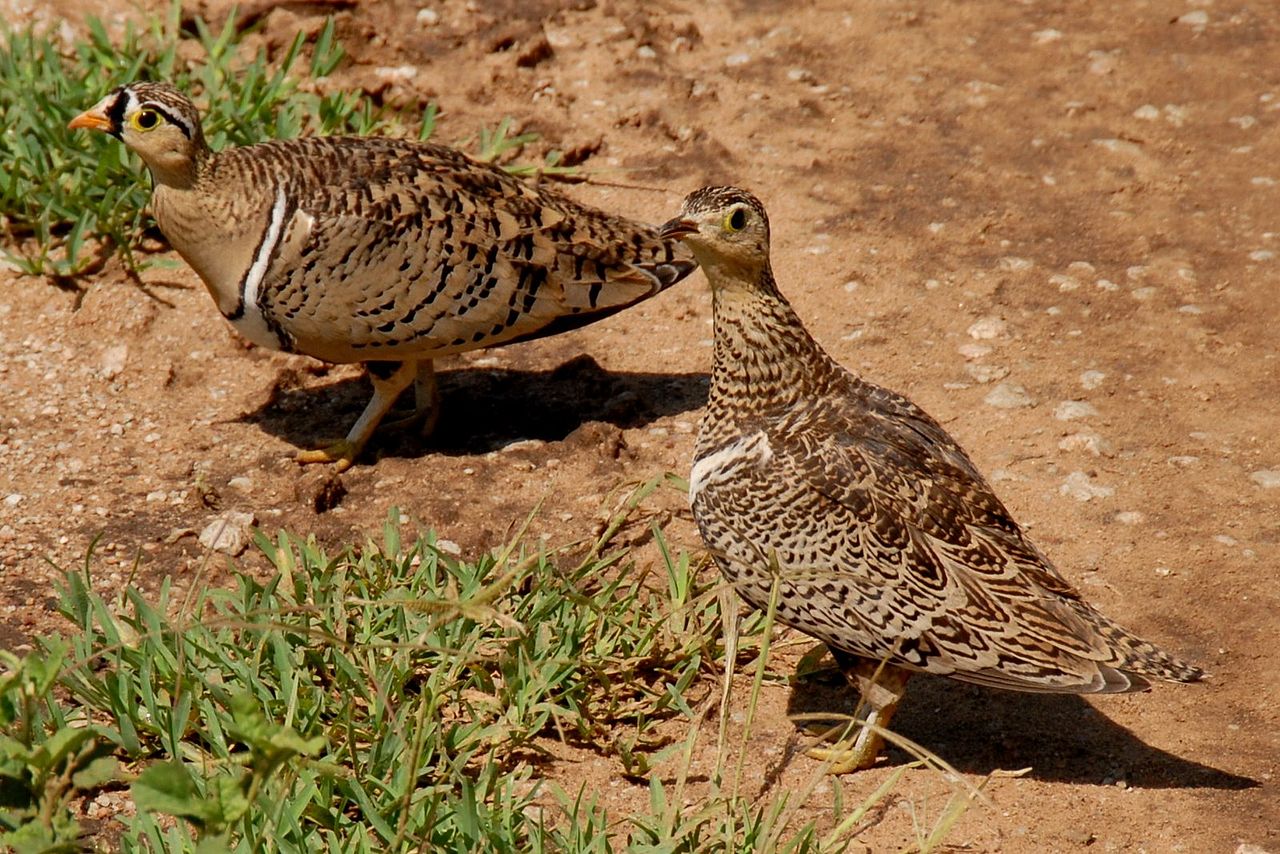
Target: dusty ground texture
[[1053, 224]]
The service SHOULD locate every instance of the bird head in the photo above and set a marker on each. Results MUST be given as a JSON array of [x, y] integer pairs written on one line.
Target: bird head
[[728, 230], [156, 121]]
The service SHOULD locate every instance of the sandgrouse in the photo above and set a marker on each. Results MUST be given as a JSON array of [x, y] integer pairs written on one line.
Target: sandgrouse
[[886, 542], [375, 250]]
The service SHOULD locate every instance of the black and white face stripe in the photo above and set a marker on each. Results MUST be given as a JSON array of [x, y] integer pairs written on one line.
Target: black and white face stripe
[[129, 99]]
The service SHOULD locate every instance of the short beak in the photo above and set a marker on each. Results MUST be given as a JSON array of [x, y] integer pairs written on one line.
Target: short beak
[[677, 228], [94, 118]]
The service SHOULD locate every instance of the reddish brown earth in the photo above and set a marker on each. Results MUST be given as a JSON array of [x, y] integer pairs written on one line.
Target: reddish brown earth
[[1075, 200]]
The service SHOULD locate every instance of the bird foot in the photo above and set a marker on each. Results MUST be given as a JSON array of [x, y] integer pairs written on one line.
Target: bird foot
[[341, 452], [851, 754]]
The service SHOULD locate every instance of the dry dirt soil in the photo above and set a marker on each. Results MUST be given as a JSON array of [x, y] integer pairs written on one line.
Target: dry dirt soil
[[1055, 225]]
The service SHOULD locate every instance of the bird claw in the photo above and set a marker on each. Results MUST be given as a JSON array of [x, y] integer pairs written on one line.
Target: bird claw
[[847, 755], [341, 452]]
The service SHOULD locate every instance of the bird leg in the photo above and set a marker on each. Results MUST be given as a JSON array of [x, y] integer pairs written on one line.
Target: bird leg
[[389, 380], [882, 687], [426, 400]]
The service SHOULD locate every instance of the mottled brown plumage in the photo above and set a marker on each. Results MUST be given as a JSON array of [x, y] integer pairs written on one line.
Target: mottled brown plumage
[[888, 543], [383, 251]]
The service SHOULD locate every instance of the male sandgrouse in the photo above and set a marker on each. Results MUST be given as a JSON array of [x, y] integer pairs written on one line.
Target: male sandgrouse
[[886, 542], [375, 250]]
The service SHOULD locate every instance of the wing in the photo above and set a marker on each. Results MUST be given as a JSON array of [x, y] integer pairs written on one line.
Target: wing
[[395, 249], [890, 543]]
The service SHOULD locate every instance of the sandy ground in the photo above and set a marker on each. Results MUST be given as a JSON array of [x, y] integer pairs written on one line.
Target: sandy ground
[[1052, 224]]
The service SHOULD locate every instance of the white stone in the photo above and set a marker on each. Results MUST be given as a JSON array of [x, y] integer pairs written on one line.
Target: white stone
[[428, 17], [1014, 264], [1009, 396], [973, 352], [1198, 18], [986, 328], [1081, 487], [1147, 112], [1086, 441], [986, 373], [113, 361], [1070, 410], [229, 533], [1266, 478], [1089, 380]]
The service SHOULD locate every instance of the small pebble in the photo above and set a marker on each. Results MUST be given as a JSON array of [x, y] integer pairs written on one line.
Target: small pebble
[[987, 328], [1091, 442], [1089, 380], [1266, 478], [1130, 517], [1070, 410], [1081, 487], [229, 533], [986, 373], [1009, 396]]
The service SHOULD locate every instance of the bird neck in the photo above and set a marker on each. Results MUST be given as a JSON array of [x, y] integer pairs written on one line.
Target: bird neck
[[765, 359], [179, 169]]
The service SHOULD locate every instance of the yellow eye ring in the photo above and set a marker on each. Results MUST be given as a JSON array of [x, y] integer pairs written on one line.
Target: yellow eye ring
[[145, 120], [735, 220]]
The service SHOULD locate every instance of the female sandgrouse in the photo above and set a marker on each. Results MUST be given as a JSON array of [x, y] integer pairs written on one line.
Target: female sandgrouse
[[883, 539], [381, 251]]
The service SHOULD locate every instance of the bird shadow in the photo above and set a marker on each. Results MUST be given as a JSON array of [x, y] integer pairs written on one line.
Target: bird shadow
[[1060, 737], [485, 409]]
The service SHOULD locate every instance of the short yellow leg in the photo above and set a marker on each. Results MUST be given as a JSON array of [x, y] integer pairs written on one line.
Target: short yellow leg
[[882, 689], [426, 399], [389, 380]]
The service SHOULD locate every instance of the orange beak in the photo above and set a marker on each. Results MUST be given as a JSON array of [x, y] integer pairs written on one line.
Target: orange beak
[[94, 119]]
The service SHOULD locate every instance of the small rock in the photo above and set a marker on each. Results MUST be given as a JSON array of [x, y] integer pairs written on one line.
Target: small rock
[[428, 17], [13, 499], [396, 74], [1079, 486], [1009, 396], [973, 351], [1266, 478], [241, 484], [1014, 264], [1183, 461], [735, 59], [987, 328], [1130, 517], [449, 547], [1250, 848], [1045, 36], [113, 361], [986, 373], [228, 533], [1089, 380], [1070, 410], [1198, 18], [1147, 112], [1091, 442]]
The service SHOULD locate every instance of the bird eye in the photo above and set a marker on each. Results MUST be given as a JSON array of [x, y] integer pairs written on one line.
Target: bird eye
[[146, 119], [736, 220]]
